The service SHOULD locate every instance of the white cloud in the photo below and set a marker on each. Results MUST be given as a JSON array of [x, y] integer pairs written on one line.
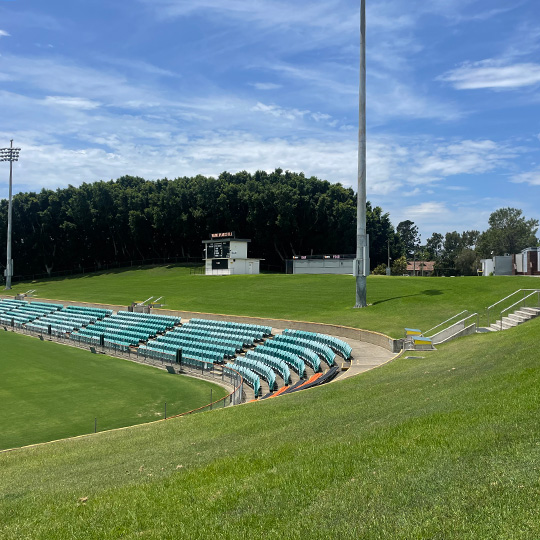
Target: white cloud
[[266, 86], [491, 74], [293, 114], [391, 99], [3, 33], [326, 15], [531, 177], [74, 102], [433, 209], [322, 77]]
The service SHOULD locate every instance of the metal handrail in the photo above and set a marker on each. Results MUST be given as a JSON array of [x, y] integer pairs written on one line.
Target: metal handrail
[[447, 320], [506, 298], [463, 320], [535, 291]]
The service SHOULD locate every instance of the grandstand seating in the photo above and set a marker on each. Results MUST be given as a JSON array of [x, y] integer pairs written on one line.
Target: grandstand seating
[[189, 342], [244, 339], [230, 325], [292, 360], [22, 312], [67, 320], [125, 329], [335, 343], [323, 350], [191, 352], [206, 336], [309, 357], [248, 375], [98, 313], [203, 342], [258, 367], [276, 364]]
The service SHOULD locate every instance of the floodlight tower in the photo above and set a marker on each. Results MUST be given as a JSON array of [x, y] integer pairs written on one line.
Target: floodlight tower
[[361, 263], [9, 154]]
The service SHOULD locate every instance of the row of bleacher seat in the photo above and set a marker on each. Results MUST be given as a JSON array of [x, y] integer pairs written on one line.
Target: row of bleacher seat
[[257, 367], [98, 313], [189, 352], [67, 320], [168, 320], [126, 329], [230, 325], [335, 343], [278, 365], [8, 304], [310, 357], [23, 312], [319, 348], [207, 336], [315, 380], [249, 376], [192, 342], [244, 340], [292, 360]]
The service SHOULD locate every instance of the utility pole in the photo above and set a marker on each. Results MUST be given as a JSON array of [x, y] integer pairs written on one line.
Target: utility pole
[[361, 263], [9, 154], [388, 271]]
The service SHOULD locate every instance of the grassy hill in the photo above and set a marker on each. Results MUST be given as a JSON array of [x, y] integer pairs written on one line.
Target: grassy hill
[[49, 391], [396, 302], [445, 446]]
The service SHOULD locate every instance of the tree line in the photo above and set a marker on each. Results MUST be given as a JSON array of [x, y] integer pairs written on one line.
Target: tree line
[[284, 213], [459, 253]]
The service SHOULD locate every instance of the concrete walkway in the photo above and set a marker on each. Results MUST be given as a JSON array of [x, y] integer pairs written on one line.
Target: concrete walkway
[[365, 356]]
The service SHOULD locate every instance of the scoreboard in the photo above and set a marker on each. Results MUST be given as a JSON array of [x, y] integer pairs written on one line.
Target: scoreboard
[[218, 250]]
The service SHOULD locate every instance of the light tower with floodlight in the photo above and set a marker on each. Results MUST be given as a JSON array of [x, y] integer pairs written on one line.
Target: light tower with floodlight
[[9, 154], [361, 263]]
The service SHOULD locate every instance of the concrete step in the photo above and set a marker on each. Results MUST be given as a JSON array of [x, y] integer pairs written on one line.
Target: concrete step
[[504, 326], [511, 322], [534, 311], [526, 315], [517, 317], [495, 327]]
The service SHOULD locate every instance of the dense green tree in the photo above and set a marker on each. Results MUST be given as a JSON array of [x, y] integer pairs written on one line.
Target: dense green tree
[[382, 236], [399, 266], [284, 213], [434, 246], [466, 262], [508, 232], [410, 238]]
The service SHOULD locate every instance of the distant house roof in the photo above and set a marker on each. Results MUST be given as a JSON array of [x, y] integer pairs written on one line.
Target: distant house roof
[[426, 266]]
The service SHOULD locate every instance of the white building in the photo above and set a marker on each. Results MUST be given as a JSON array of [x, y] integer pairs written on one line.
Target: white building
[[226, 255], [323, 264]]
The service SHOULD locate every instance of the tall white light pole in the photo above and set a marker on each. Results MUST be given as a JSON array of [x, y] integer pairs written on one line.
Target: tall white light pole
[[9, 154], [361, 263]]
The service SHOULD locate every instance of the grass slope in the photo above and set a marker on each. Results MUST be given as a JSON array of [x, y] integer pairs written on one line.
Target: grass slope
[[396, 301], [447, 446], [49, 391]]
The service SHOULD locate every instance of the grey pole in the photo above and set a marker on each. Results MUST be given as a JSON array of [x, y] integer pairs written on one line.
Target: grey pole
[[361, 244], [9, 263], [9, 154]]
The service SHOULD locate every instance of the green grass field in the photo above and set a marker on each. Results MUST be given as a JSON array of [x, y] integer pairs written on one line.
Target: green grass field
[[50, 391], [446, 446], [396, 302]]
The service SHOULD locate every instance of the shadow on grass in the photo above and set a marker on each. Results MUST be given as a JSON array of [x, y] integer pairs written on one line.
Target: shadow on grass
[[108, 271], [427, 292]]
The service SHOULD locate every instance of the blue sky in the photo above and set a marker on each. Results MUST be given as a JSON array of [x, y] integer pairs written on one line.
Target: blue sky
[[97, 89]]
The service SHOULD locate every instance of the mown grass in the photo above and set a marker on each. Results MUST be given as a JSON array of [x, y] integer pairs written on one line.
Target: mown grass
[[50, 391], [396, 302], [445, 446]]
